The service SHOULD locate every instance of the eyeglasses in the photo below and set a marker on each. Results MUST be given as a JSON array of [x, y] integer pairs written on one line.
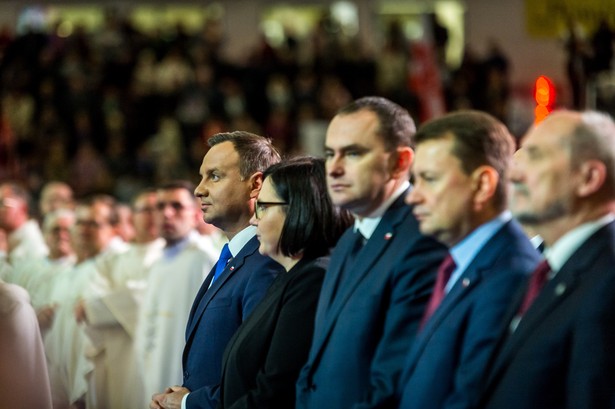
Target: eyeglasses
[[262, 206]]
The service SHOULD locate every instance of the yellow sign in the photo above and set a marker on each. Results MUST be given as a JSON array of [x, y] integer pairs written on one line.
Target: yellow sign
[[553, 18]]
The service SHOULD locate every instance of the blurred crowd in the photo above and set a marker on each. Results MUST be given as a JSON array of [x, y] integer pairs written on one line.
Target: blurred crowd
[[118, 109]]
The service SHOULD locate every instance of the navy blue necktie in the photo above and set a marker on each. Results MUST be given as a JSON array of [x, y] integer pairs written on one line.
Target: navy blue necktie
[[225, 256]]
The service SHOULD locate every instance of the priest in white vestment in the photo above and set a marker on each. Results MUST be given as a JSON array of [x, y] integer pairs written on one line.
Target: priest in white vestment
[[110, 308], [36, 274], [172, 285], [24, 237], [66, 342]]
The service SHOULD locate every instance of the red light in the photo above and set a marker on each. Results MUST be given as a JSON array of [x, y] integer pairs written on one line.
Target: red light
[[544, 95]]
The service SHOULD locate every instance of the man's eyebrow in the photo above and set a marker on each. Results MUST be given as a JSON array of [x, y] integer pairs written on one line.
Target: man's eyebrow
[[351, 147]]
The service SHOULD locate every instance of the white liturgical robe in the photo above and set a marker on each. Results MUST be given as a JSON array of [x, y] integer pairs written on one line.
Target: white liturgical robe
[[111, 305], [173, 283]]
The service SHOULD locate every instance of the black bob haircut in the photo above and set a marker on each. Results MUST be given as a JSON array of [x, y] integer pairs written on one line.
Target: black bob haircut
[[313, 223]]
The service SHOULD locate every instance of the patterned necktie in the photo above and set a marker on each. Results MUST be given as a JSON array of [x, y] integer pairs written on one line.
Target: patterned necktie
[[538, 279], [225, 256], [444, 274]]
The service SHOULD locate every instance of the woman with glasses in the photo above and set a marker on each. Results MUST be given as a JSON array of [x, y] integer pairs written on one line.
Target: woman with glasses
[[297, 225]]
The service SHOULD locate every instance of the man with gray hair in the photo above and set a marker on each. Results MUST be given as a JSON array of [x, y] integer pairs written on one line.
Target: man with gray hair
[[559, 349]]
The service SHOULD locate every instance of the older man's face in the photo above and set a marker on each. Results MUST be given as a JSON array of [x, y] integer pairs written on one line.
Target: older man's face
[[542, 173]]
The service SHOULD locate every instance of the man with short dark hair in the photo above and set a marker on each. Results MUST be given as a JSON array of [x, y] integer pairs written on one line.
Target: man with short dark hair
[[172, 283], [460, 197], [231, 178], [559, 348], [381, 271]]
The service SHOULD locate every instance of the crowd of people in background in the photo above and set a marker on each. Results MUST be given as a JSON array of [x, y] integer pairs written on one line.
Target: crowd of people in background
[[285, 280], [119, 108], [486, 284]]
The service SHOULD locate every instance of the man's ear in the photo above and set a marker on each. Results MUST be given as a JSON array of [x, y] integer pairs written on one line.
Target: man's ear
[[403, 161], [485, 180], [592, 174], [256, 182]]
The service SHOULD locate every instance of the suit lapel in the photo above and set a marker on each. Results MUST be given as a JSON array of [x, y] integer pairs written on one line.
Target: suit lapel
[[481, 264], [554, 293], [334, 271], [370, 254], [235, 264], [266, 307]]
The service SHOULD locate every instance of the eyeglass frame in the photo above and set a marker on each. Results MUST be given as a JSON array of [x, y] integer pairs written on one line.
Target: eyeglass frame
[[258, 214]]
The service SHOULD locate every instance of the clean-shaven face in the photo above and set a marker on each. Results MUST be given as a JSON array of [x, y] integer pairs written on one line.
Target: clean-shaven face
[[359, 167], [224, 194], [442, 193]]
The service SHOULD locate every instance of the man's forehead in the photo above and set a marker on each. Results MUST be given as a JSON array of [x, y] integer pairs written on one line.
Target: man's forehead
[[554, 133], [220, 156]]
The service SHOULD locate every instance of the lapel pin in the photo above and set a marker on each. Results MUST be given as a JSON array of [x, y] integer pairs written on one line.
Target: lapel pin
[[560, 289], [465, 282], [232, 268], [388, 236]]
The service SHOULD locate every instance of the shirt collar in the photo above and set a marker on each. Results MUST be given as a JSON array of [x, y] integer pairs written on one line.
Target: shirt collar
[[236, 243], [367, 225], [464, 252], [558, 254]]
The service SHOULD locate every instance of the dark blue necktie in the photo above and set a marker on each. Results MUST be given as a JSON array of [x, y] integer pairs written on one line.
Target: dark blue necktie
[[225, 256]]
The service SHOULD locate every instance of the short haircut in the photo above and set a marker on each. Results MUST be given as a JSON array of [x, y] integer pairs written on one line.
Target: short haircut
[[144, 192], [594, 138], [107, 200], [180, 184], [479, 139], [19, 191], [256, 153], [313, 223], [177, 184], [396, 126]]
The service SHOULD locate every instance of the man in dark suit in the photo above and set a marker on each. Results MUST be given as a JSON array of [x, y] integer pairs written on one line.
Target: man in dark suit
[[559, 350], [381, 271], [460, 197], [231, 174]]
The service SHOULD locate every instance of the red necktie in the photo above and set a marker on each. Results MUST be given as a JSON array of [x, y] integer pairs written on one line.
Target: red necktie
[[537, 281], [444, 274]]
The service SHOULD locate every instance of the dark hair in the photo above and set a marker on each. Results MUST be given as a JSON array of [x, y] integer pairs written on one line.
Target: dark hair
[[396, 127], [178, 184], [313, 223], [256, 153], [479, 139]]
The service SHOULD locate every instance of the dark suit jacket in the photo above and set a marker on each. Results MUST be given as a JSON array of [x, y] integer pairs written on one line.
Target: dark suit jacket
[[562, 354], [447, 363], [362, 335], [216, 314], [262, 360]]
